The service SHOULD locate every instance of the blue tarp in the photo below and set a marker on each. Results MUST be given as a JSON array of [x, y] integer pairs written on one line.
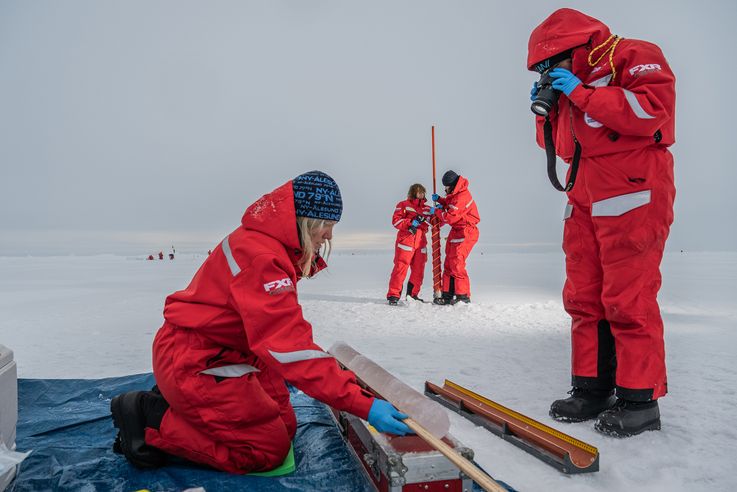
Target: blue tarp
[[67, 425]]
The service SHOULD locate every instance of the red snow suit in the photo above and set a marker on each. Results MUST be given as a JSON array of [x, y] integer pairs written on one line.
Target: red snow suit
[[620, 210], [230, 341], [460, 211], [410, 250]]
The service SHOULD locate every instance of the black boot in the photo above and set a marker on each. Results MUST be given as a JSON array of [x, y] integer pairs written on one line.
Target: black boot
[[393, 301], [583, 404], [410, 289], [629, 418], [132, 413], [461, 298], [445, 299]]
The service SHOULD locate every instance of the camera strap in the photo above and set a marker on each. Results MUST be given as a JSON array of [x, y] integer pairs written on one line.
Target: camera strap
[[550, 153]]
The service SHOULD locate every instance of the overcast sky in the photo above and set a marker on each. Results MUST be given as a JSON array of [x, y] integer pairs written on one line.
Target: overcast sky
[[135, 124]]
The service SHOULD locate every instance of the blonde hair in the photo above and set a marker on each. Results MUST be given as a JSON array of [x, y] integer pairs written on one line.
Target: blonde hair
[[306, 226], [414, 190]]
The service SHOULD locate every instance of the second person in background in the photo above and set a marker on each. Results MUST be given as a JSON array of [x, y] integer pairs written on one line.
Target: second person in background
[[410, 250]]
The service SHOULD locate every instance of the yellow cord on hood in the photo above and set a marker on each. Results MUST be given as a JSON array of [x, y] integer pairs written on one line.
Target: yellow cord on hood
[[609, 50]]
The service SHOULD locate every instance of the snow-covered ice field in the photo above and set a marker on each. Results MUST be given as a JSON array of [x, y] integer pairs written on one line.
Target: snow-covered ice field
[[95, 316]]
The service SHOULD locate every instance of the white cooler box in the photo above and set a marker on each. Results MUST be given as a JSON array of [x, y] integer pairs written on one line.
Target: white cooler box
[[8, 408]]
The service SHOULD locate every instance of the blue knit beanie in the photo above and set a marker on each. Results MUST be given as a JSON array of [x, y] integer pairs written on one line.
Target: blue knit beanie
[[317, 195]]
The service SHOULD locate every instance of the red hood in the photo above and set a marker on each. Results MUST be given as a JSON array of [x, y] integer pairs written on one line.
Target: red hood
[[273, 214], [562, 30], [461, 185]]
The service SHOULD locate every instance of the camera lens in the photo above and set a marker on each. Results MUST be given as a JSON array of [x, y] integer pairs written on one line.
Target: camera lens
[[546, 98], [540, 108]]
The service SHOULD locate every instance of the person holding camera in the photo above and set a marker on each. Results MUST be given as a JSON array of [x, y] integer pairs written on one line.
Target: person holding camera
[[410, 249], [458, 209], [607, 104]]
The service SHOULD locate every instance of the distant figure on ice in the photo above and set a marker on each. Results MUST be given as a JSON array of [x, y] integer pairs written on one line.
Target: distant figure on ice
[[459, 210], [150, 257], [234, 337], [410, 249], [161, 255], [614, 100]]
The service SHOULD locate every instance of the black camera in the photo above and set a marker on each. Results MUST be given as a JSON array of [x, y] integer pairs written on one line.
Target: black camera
[[546, 97], [419, 218]]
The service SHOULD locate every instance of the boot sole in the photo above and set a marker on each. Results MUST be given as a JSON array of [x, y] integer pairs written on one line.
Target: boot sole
[[652, 426], [570, 420]]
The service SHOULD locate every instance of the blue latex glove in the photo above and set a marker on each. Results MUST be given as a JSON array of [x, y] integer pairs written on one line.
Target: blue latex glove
[[435, 197], [564, 80], [432, 211], [415, 223], [385, 418], [533, 92]]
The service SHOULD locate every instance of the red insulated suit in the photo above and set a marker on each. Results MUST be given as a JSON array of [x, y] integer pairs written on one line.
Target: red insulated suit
[[460, 211], [232, 339], [410, 249], [620, 210]]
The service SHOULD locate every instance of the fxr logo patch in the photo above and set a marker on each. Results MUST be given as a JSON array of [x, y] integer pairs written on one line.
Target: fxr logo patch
[[641, 70], [278, 286]]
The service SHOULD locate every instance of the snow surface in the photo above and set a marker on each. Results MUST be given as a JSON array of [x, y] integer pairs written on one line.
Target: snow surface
[[92, 317]]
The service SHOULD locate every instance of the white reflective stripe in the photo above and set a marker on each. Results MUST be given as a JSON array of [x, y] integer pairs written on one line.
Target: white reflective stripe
[[424, 250], [602, 82], [453, 207], [618, 205], [299, 355], [404, 247], [234, 268], [234, 371], [397, 209], [469, 203], [458, 240], [410, 209], [635, 105], [568, 212], [397, 222]]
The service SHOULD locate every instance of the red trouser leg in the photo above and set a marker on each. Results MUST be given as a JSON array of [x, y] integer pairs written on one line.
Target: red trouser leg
[[402, 259], [417, 270], [447, 268], [592, 345], [229, 423], [457, 250], [632, 219], [614, 241]]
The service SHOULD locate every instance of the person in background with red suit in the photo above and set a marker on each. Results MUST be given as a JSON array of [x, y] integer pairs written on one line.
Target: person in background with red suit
[[235, 336], [410, 249], [458, 209], [615, 118]]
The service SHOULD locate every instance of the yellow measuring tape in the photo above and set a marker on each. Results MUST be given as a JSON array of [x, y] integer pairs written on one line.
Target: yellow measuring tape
[[523, 418]]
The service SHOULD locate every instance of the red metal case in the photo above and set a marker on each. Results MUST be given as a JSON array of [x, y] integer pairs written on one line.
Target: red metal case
[[403, 463]]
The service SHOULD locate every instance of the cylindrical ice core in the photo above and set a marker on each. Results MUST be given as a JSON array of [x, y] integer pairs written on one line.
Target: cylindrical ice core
[[424, 411]]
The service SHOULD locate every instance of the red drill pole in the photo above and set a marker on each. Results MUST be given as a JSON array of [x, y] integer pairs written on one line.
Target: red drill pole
[[437, 273]]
